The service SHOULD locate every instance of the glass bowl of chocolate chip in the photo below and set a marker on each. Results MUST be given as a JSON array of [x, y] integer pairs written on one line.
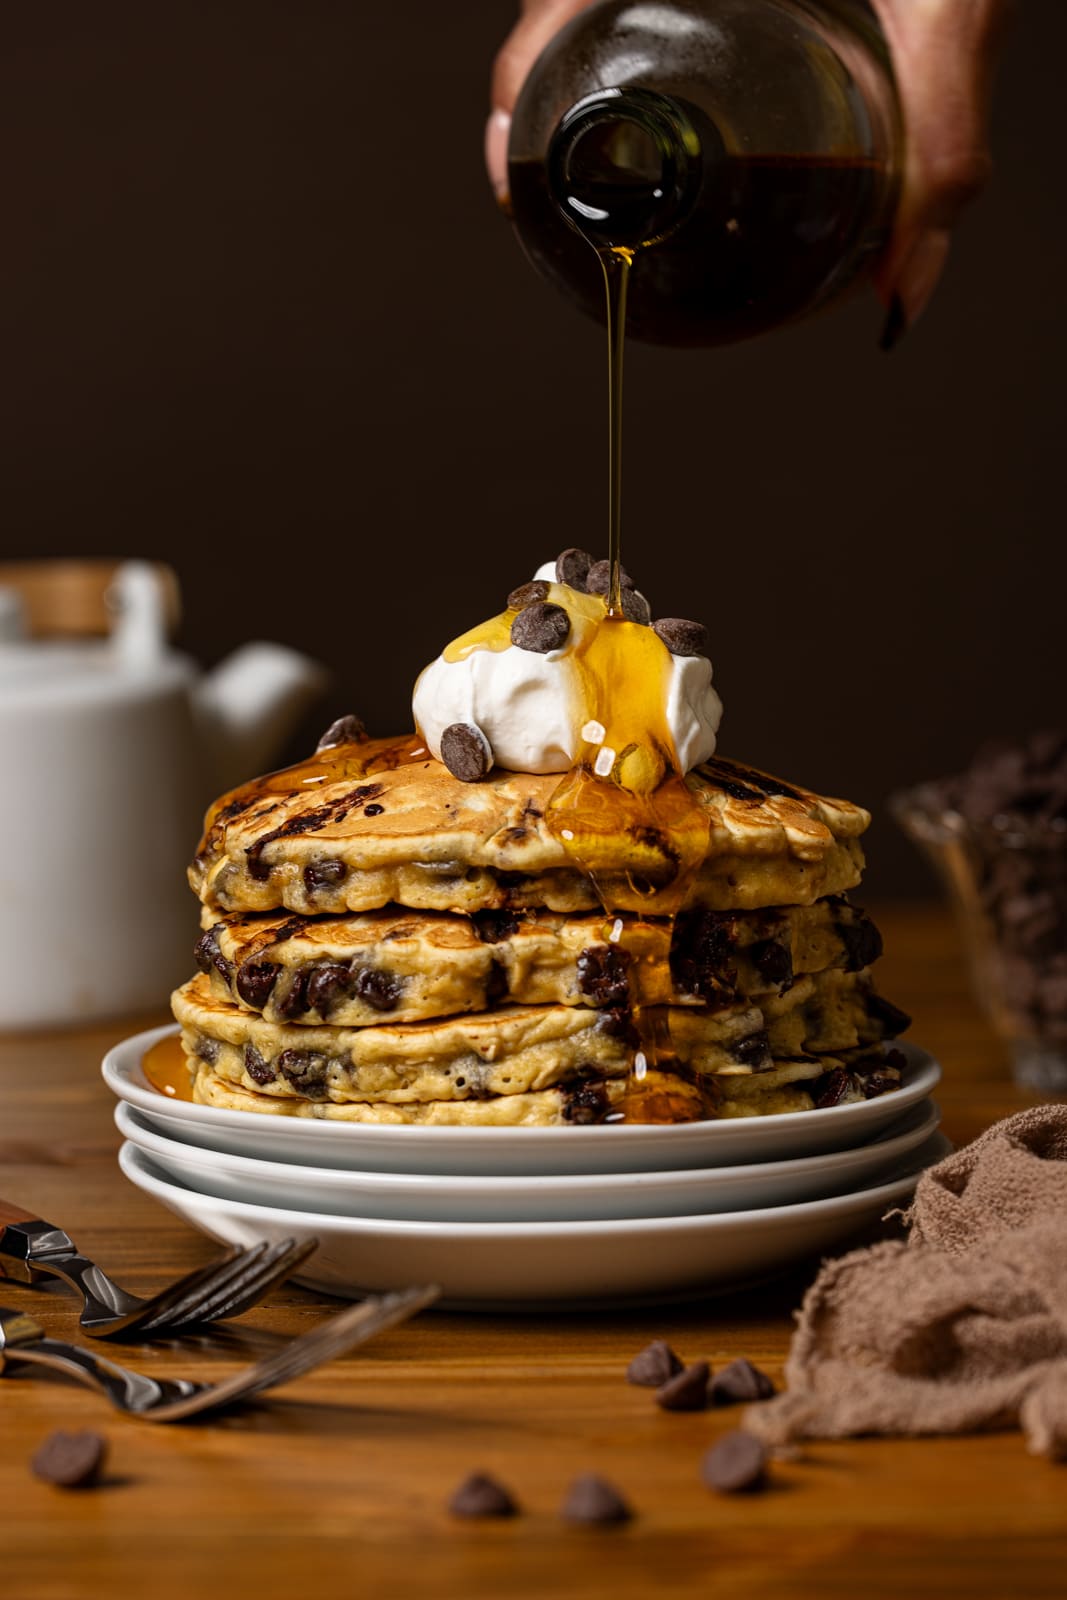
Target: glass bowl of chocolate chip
[[997, 836]]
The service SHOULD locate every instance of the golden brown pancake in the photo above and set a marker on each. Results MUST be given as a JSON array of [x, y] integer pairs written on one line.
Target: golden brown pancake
[[358, 970], [789, 1086], [365, 824], [524, 1049]]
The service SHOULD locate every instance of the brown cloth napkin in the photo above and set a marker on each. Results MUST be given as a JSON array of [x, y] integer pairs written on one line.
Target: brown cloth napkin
[[961, 1328]]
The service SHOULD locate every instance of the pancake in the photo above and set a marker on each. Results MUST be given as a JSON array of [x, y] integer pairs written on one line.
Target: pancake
[[523, 1049], [352, 971], [371, 822], [790, 1086]]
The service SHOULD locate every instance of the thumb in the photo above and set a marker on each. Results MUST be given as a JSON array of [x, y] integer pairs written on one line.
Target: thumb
[[541, 20]]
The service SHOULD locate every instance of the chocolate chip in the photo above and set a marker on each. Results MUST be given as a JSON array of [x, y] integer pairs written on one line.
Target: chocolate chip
[[572, 568], [740, 1381], [527, 594], [326, 983], [209, 957], [618, 1024], [599, 577], [602, 975], [346, 730], [890, 1019], [466, 751], [541, 628], [635, 608], [71, 1460], [494, 926], [754, 1052], [681, 637], [594, 1500], [773, 962], [654, 1365], [377, 989], [373, 810], [306, 1070], [585, 1103], [482, 1496], [496, 984], [207, 1049], [736, 1465], [324, 874], [294, 1002], [861, 939], [830, 1089], [258, 1069], [254, 982], [687, 1390], [878, 1083]]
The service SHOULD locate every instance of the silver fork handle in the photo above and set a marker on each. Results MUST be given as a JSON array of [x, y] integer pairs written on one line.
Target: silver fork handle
[[129, 1391], [29, 1245]]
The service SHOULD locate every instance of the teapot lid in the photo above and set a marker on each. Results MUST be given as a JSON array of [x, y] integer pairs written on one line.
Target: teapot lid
[[133, 659]]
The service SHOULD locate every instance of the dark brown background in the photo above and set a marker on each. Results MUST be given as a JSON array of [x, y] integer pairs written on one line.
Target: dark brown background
[[260, 318]]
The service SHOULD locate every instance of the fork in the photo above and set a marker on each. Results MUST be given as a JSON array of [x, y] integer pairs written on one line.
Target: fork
[[172, 1400], [31, 1247]]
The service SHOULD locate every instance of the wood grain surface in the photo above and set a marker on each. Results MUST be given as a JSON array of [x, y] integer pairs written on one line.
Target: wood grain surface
[[339, 1485]]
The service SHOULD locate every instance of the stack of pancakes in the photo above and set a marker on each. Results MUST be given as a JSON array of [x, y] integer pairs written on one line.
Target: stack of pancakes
[[386, 943]]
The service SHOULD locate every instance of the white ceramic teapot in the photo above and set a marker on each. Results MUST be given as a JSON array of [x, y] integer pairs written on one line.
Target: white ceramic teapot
[[109, 751]]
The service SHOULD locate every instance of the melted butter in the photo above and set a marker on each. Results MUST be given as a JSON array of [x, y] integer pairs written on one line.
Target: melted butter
[[166, 1066]]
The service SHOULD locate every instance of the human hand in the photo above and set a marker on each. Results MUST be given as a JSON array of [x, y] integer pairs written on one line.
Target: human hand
[[944, 53]]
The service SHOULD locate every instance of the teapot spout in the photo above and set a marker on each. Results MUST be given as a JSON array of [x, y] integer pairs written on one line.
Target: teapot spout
[[250, 704]]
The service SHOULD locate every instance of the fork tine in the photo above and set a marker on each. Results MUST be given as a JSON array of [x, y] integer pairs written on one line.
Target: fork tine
[[146, 1312], [230, 1296], [280, 1262], [181, 1304], [343, 1332]]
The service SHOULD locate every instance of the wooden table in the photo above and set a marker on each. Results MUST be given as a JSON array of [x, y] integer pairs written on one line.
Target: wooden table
[[339, 1486]]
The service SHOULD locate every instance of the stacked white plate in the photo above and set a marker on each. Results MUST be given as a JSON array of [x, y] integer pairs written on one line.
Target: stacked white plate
[[528, 1217]]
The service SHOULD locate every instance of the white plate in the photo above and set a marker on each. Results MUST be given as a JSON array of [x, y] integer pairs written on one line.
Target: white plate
[[566, 1197], [514, 1151], [491, 1264]]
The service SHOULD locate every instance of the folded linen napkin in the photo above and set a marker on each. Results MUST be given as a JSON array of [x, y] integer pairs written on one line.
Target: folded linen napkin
[[963, 1327]]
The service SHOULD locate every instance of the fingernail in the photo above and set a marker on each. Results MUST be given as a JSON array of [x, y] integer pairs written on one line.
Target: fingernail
[[919, 274], [497, 132], [895, 326]]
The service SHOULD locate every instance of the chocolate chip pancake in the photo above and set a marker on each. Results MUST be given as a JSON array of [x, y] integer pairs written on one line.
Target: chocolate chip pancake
[[371, 822], [354, 971], [524, 1049], [790, 1086]]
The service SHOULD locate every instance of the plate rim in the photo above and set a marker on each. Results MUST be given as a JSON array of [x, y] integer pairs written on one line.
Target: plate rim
[[504, 1185], [477, 1232], [926, 1069]]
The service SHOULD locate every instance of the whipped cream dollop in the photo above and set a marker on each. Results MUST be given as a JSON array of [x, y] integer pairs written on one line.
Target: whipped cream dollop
[[533, 706]]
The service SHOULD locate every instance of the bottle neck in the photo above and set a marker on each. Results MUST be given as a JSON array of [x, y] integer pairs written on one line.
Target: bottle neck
[[625, 166]]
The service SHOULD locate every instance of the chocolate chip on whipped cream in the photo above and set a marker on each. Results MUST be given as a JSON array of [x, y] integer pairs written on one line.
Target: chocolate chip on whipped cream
[[682, 638], [635, 608], [572, 568], [598, 578], [527, 594], [541, 627], [466, 752]]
